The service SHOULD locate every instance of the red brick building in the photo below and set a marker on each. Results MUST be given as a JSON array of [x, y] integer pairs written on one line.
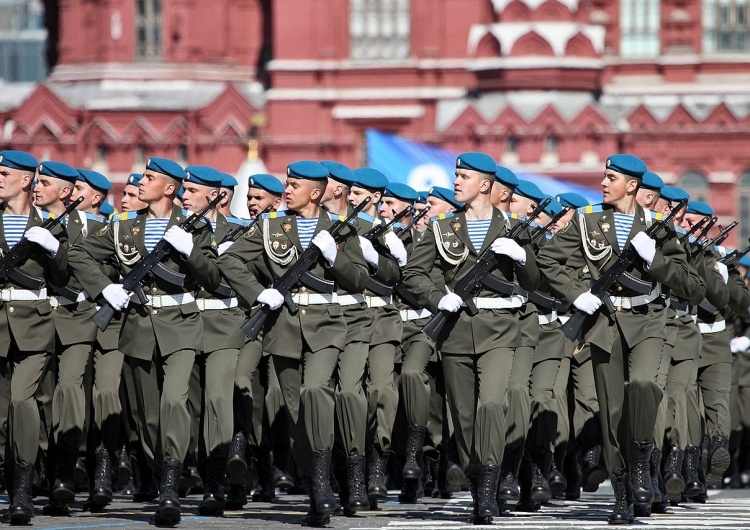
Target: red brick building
[[549, 86]]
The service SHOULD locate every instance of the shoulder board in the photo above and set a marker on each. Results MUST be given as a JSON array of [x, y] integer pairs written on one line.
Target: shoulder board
[[95, 217], [366, 217], [521, 218], [442, 216], [238, 221], [591, 208], [274, 215]]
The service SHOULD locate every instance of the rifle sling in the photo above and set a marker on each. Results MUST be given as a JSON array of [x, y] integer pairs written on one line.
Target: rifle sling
[[25, 280], [379, 288]]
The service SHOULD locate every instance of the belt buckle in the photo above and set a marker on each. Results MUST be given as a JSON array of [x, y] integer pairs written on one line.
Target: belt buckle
[[303, 299], [627, 303], [201, 303], [156, 302]]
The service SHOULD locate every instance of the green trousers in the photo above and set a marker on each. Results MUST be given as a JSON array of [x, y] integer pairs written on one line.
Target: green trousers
[[26, 370]]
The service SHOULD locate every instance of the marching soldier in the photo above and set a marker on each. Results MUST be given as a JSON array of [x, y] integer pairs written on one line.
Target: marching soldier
[[130, 201]]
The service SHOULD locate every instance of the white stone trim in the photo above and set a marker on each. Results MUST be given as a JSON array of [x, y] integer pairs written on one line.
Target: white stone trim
[[353, 112], [557, 34], [353, 94]]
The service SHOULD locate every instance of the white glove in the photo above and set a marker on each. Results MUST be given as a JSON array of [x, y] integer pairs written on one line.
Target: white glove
[[324, 241], [508, 247], [396, 248], [739, 344], [272, 298], [371, 255], [116, 295], [723, 271], [587, 302], [645, 246], [43, 238], [180, 240], [450, 302], [224, 246]]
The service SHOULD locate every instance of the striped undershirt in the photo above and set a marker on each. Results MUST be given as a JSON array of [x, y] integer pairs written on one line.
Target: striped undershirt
[[623, 224], [14, 227], [305, 230], [478, 231], [155, 228]]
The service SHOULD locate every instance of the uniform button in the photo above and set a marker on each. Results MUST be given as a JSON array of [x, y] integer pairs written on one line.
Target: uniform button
[[203, 288], [304, 311], [153, 289], [303, 289], [11, 309], [619, 288], [154, 311]]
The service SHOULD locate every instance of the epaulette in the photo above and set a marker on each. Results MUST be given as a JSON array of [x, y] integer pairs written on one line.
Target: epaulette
[[591, 208], [442, 216], [366, 217], [275, 215], [96, 217], [238, 221]]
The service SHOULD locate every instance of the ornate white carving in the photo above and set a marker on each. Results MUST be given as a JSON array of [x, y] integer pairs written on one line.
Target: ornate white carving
[[556, 34]]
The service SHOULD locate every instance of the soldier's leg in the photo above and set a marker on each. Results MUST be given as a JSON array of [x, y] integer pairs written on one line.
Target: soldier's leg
[[609, 377], [350, 398], [217, 407], [174, 418], [382, 395], [493, 370], [247, 398], [27, 370], [715, 381], [276, 427], [146, 404]]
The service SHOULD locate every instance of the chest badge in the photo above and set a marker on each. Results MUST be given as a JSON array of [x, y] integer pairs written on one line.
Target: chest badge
[[286, 227], [605, 227]]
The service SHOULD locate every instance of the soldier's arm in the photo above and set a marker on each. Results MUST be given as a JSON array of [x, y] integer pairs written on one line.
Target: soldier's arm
[[694, 290], [717, 292], [416, 275], [669, 265], [388, 271], [85, 257], [350, 267], [57, 265], [528, 275], [739, 297], [236, 265], [558, 257], [201, 262]]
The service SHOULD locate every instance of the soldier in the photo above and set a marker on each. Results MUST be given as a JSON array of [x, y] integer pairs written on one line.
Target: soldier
[[130, 201], [305, 345], [27, 332], [474, 348], [633, 337], [159, 338]]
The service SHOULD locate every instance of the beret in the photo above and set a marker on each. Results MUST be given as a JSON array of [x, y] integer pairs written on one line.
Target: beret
[[369, 178], [401, 192], [339, 172], [627, 164], [476, 162], [106, 209], [18, 160], [652, 181], [58, 170], [180, 192], [166, 167], [307, 169], [745, 260], [673, 193], [266, 182], [94, 179], [204, 175], [445, 194], [422, 197], [553, 207], [572, 200], [505, 176], [528, 189], [699, 208], [134, 179], [228, 181]]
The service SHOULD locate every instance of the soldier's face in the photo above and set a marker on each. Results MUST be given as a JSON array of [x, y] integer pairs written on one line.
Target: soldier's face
[[13, 182], [438, 206], [689, 219], [500, 193], [130, 200], [565, 219], [357, 195], [421, 225], [49, 190], [520, 205], [333, 189], [258, 200], [616, 186], [195, 197], [389, 204], [468, 185], [155, 186], [91, 196], [298, 193]]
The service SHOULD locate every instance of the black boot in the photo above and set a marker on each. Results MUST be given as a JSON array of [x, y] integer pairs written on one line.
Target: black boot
[[264, 468], [487, 491], [236, 497], [476, 518], [693, 485], [314, 517], [526, 503], [214, 501], [169, 510], [147, 489], [508, 488], [674, 483], [441, 474], [658, 505], [236, 461], [101, 494], [325, 502], [556, 480], [357, 487], [640, 475], [64, 489], [21, 509], [592, 470], [430, 475], [621, 513], [718, 461], [124, 467], [410, 491], [414, 454], [573, 475], [540, 490], [376, 490]]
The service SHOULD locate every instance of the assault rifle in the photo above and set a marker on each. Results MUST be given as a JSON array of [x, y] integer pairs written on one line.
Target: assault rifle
[[241, 230], [378, 230], [296, 273], [685, 238], [486, 263], [540, 230], [573, 328], [401, 232], [698, 242], [720, 237], [735, 256], [132, 280]]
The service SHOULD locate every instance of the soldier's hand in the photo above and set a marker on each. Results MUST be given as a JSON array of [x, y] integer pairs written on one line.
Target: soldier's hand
[[43, 238], [450, 302], [224, 246], [180, 240], [324, 241], [272, 298], [116, 295], [507, 247], [739, 344], [396, 248], [371, 255], [723, 271], [588, 303], [645, 246]]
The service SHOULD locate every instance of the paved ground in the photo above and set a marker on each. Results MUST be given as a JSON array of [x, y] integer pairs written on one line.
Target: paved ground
[[726, 509]]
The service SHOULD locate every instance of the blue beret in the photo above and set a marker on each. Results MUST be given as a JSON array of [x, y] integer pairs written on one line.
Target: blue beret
[[699, 207], [307, 169], [745, 260], [652, 181], [673, 193], [266, 182], [106, 209], [166, 167], [476, 162], [553, 208], [401, 192], [180, 192], [18, 160], [627, 165], [446, 194], [528, 189], [339, 172], [369, 178], [134, 179], [95, 179], [505, 176], [572, 200], [58, 170], [203, 175], [422, 197], [228, 181]]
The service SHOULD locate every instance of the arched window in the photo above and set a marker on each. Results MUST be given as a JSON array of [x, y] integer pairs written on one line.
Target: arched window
[[148, 34], [743, 196], [379, 29], [695, 183]]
